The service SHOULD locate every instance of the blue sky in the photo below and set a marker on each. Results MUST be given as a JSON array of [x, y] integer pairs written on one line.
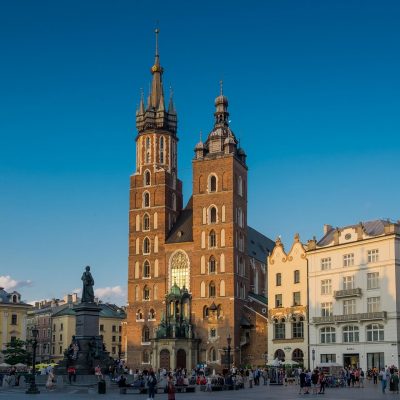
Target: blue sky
[[313, 89]]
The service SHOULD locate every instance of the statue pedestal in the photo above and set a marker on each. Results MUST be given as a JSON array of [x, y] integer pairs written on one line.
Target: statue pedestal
[[87, 319], [91, 351]]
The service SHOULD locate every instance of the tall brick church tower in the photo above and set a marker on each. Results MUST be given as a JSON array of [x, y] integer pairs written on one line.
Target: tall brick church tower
[[197, 275], [155, 203]]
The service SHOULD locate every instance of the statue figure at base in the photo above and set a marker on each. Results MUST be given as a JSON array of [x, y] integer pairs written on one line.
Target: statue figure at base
[[88, 282]]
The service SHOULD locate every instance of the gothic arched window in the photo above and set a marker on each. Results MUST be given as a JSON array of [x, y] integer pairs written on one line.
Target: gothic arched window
[[146, 293], [147, 178], [162, 149], [152, 313], [212, 266], [146, 222], [145, 334], [213, 215], [139, 315], [146, 269], [179, 270], [146, 199], [211, 289], [212, 239], [146, 246], [213, 183]]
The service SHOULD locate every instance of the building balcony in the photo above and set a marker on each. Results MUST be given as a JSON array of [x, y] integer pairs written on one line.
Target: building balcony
[[340, 294], [335, 319]]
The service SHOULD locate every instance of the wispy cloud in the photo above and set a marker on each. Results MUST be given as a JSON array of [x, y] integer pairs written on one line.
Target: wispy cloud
[[9, 283], [114, 294]]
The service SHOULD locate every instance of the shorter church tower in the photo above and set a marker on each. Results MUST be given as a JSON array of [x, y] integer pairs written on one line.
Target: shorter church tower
[[220, 282]]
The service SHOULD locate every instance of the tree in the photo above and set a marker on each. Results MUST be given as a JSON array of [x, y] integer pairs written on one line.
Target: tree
[[16, 352]]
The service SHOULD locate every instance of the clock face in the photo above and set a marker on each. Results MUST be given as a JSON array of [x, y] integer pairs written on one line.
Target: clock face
[[347, 236]]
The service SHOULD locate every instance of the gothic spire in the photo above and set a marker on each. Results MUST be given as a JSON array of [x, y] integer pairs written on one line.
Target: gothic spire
[[157, 93], [155, 115]]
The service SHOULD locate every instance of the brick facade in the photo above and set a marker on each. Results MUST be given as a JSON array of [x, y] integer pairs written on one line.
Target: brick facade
[[204, 249]]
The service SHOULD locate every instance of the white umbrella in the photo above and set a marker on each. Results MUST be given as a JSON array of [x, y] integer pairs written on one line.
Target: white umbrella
[[275, 363], [290, 363], [5, 365], [20, 365]]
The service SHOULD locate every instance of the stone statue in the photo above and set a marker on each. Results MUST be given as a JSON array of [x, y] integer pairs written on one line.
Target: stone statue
[[88, 282]]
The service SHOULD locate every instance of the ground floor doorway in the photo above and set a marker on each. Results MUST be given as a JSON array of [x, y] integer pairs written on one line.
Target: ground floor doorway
[[351, 360], [181, 359], [375, 360], [165, 359]]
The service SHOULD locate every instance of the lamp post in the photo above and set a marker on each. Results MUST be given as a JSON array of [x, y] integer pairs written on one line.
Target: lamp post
[[313, 357], [32, 387], [229, 340]]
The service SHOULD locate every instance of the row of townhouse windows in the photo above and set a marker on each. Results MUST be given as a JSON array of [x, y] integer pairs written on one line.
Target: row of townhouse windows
[[296, 299], [297, 327], [348, 259], [351, 334], [349, 306], [348, 282], [296, 278]]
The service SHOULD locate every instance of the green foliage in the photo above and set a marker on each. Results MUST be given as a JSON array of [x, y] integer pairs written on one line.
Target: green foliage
[[16, 352]]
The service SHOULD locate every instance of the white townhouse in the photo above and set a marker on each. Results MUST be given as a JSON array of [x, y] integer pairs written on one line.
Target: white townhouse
[[354, 295]]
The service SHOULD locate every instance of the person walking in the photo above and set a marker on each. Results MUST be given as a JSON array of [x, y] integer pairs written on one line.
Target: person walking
[[302, 378], [314, 381], [251, 378], [50, 380], [171, 389], [394, 382], [383, 377], [322, 383], [151, 383]]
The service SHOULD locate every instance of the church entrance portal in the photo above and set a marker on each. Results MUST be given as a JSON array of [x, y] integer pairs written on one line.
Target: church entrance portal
[[164, 359], [181, 359]]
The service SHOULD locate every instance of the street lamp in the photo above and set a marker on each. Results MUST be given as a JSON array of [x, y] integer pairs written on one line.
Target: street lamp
[[229, 340], [32, 387], [313, 357]]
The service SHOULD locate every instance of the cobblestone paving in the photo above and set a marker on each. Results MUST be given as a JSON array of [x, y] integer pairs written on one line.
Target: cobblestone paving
[[370, 392]]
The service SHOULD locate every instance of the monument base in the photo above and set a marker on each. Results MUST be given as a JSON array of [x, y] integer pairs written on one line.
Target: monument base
[[87, 349]]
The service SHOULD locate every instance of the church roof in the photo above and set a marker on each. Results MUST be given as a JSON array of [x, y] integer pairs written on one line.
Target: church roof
[[258, 245], [182, 231]]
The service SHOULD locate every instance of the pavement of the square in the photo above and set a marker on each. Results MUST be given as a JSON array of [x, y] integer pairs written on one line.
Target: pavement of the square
[[369, 392]]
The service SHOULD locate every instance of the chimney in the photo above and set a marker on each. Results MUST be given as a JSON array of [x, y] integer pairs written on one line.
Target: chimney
[[327, 228]]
